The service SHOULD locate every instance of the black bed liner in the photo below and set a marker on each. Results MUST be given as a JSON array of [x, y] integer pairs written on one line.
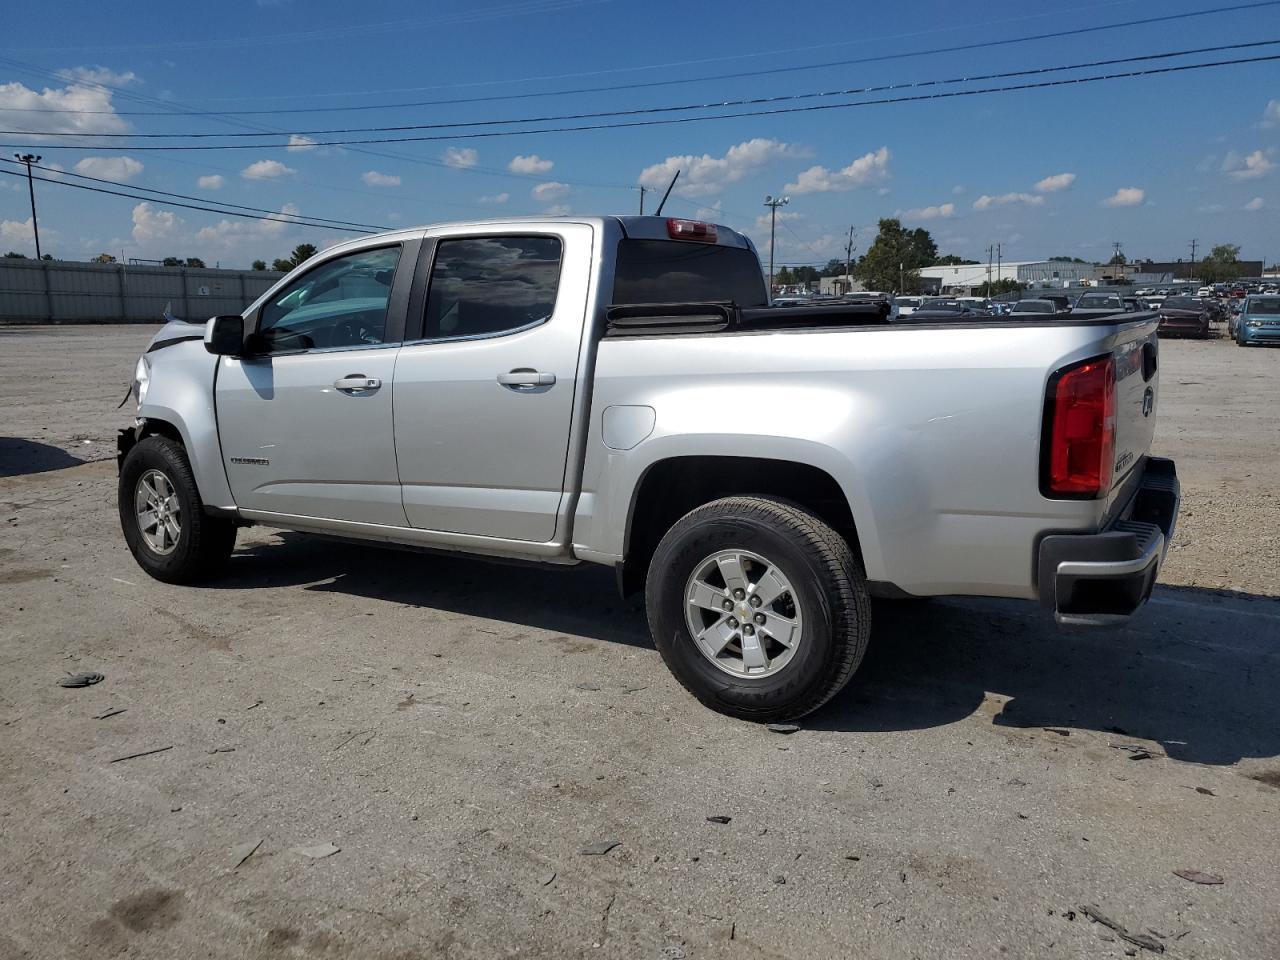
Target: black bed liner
[[672, 319]]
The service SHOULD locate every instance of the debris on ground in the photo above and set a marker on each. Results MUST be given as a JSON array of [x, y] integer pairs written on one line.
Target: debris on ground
[[1198, 876], [1058, 730], [223, 750], [601, 848], [318, 851], [1206, 791], [144, 753], [242, 852], [110, 713], [718, 819], [1137, 939], [81, 679], [546, 881], [587, 686], [783, 727]]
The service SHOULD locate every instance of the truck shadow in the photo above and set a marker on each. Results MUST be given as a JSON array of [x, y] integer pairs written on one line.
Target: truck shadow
[[1198, 671], [19, 457]]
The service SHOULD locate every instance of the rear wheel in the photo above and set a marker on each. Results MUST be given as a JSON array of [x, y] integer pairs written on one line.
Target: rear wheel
[[163, 517], [759, 608]]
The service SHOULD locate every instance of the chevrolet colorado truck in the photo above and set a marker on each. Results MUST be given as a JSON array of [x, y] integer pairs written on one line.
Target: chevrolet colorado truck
[[619, 391]]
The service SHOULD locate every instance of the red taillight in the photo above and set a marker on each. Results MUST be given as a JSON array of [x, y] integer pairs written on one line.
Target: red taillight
[[1081, 426], [691, 230]]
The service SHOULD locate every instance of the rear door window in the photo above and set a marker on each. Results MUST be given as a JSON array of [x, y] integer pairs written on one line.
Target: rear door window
[[673, 271], [487, 286]]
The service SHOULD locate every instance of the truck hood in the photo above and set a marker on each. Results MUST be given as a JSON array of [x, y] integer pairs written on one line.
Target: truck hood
[[176, 331]]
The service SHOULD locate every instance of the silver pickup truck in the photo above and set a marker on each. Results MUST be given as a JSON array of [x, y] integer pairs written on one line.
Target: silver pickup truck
[[618, 390]]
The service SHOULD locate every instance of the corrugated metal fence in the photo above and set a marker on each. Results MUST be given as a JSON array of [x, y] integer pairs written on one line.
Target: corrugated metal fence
[[57, 291]]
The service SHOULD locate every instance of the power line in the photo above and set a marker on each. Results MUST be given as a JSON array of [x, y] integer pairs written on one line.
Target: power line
[[646, 111], [881, 58], [277, 218], [945, 95], [183, 196]]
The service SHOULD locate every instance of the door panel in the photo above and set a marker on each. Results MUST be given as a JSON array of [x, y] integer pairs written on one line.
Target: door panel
[[305, 420], [478, 456], [294, 443]]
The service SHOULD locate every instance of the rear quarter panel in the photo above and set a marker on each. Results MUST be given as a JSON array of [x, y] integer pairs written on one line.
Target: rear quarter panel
[[933, 434]]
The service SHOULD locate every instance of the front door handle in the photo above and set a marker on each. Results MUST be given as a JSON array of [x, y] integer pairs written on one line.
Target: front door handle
[[357, 383], [525, 378]]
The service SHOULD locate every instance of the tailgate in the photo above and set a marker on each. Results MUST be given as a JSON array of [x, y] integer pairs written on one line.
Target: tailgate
[[1137, 394]]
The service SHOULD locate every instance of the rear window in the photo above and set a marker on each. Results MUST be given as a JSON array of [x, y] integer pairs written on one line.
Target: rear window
[[674, 271], [1181, 303]]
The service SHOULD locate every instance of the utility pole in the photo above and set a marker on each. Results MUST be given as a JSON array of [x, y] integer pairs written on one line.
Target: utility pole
[[773, 203], [999, 269], [848, 260], [1194, 242], [29, 159], [991, 252], [642, 189]]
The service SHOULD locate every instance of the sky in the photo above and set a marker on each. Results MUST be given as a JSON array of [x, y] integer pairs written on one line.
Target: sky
[[1150, 162]]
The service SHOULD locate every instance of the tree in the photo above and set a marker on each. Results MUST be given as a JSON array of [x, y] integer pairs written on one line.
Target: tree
[[259, 264], [303, 251], [926, 251], [993, 288], [894, 259], [195, 263], [284, 266], [1222, 263], [1118, 259], [172, 261], [834, 268], [783, 278], [1067, 260], [951, 260], [805, 274], [104, 258], [47, 256], [14, 255]]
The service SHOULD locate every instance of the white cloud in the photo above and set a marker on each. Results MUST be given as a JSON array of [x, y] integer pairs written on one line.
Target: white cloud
[[1256, 204], [213, 181], [76, 108], [557, 210], [1210, 208], [372, 178], [266, 170], [1126, 197], [119, 169], [868, 168], [709, 213], [17, 233], [928, 213], [460, 158], [1059, 181], [298, 143], [96, 75], [494, 198], [784, 216], [1250, 166], [1271, 115], [705, 175], [986, 202], [150, 224], [546, 192], [958, 190], [530, 164]]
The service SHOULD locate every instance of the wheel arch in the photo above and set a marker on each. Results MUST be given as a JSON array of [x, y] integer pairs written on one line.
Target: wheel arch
[[669, 488]]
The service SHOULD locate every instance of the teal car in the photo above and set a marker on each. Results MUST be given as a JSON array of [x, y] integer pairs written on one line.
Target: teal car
[[1259, 321]]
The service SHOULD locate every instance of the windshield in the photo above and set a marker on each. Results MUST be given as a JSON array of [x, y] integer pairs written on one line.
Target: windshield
[[1033, 306], [1269, 305], [1098, 301], [941, 303]]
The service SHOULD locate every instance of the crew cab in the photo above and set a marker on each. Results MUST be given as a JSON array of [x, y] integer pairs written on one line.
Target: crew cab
[[619, 391]]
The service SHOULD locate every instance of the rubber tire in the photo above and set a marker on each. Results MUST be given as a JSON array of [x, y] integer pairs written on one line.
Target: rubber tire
[[204, 544], [835, 606]]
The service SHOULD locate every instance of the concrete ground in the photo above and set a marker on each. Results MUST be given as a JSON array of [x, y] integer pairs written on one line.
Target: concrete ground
[[462, 732]]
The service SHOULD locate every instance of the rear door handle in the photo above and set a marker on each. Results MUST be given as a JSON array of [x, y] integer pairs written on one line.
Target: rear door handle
[[524, 377], [357, 383]]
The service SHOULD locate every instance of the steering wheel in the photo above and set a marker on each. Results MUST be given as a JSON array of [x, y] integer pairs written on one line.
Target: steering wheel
[[349, 332]]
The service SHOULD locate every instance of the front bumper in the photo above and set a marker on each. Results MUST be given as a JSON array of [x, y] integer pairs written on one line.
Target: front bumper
[[1103, 578], [1259, 334]]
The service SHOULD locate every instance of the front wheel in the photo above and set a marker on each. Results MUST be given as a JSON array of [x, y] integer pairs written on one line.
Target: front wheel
[[758, 608], [163, 517]]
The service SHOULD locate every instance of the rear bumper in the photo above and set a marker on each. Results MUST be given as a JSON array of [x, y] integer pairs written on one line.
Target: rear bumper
[[1103, 578]]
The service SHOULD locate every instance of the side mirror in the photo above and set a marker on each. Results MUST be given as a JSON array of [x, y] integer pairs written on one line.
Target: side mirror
[[225, 336]]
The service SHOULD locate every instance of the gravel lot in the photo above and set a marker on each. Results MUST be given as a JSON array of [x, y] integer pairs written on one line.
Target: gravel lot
[[462, 731]]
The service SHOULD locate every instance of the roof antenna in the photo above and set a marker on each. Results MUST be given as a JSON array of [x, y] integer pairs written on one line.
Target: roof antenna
[[658, 212]]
